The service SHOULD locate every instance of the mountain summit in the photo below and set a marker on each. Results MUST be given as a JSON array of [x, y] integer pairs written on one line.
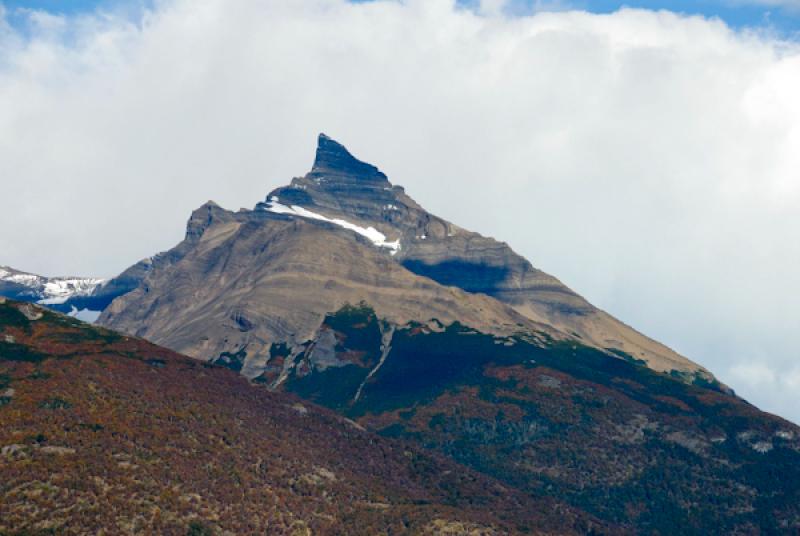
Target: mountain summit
[[333, 160], [341, 187], [436, 270]]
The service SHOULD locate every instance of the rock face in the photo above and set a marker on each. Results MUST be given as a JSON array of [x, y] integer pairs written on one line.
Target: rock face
[[106, 434], [309, 248], [335, 163], [241, 282], [452, 256]]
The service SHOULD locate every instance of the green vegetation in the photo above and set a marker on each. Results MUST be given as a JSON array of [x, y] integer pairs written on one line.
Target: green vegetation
[[94, 427], [233, 361], [196, 528], [358, 326], [422, 366], [10, 351], [39, 374], [63, 320], [10, 316], [81, 333], [334, 387], [626, 356], [279, 349], [54, 403], [36, 439], [599, 431], [358, 344]]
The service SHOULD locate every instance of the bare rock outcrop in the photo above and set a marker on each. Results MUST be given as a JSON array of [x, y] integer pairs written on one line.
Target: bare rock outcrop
[[344, 234]]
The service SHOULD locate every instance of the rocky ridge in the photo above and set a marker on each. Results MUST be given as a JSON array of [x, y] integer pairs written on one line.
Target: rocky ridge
[[241, 282], [339, 186]]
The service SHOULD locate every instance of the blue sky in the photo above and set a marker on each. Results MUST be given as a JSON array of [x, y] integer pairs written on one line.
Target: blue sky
[[736, 14], [781, 15], [61, 6], [71, 6]]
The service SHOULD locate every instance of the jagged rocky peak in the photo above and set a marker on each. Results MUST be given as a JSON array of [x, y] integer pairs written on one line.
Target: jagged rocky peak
[[341, 183], [403, 242], [340, 186], [202, 217], [334, 162]]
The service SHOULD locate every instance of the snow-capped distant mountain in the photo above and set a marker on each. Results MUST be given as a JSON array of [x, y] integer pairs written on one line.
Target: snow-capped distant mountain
[[55, 292]]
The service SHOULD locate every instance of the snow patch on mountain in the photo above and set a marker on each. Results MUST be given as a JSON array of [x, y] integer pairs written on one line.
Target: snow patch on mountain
[[20, 278], [55, 290], [370, 233], [60, 290]]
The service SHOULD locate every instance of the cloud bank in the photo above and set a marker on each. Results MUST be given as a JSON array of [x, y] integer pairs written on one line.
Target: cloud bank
[[649, 160]]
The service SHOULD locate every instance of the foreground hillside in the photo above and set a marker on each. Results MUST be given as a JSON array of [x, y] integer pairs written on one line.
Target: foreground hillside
[[105, 434], [637, 448]]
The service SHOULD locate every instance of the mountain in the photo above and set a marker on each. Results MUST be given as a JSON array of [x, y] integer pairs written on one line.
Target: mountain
[[241, 282], [66, 294], [340, 289], [340, 186], [345, 234], [81, 297], [107, 434]]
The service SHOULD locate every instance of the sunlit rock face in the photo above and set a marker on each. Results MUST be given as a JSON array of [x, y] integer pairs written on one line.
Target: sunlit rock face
[[341, 186]]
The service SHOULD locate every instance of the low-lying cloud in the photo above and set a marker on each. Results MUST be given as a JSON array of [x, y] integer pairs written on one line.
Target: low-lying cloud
[[650, 160]]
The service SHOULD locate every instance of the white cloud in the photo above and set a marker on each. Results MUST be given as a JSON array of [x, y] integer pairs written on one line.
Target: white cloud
[[647, 159], [774, 387]]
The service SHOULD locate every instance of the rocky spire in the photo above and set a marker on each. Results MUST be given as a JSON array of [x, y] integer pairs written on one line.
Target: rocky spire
[[333, 160], [340, 182]]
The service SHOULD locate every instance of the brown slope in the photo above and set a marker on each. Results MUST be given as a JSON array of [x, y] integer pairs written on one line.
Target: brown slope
[[101, 433], [243, 281], [628, 444], [341, 186]]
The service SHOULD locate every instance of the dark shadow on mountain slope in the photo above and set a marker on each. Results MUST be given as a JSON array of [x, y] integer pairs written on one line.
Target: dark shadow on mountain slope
[[469, 276]]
